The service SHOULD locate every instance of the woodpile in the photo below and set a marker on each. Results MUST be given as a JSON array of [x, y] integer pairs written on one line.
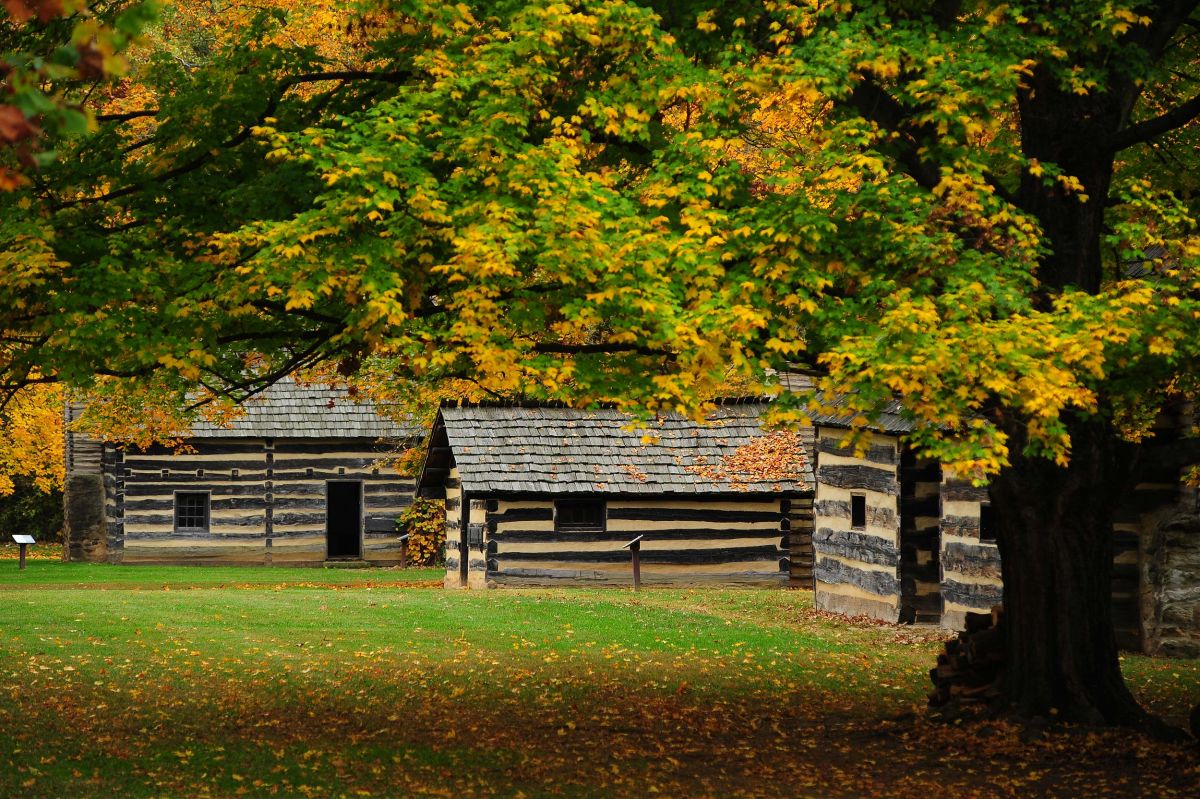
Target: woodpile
[[970, 666]]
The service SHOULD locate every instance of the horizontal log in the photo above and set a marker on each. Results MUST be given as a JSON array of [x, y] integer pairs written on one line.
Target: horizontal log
[[697, 514], [388, 484], [875, 453], [958, 491], [876, 516], [835, 572], [194, 535], [215, 490], [321, 474], [973, 560], [182, 464], [247, 447], [972, 595], [340, 460], [965, 526], [216, 504], [681, 557], [190, 482], [522, 515], [168, 520], [863, 477], [855, 546], [292, 519], [622, 536]]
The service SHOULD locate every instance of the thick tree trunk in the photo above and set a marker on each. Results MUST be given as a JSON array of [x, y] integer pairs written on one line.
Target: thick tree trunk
[[1054, 530]]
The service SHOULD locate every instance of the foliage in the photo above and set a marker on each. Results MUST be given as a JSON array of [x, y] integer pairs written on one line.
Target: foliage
[[31, 442], [425, 523], [33, 511], [576, 204], [426, 692], [53, 50]]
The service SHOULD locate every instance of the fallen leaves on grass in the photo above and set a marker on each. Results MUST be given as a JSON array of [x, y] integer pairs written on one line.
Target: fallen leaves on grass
[[350, 691]]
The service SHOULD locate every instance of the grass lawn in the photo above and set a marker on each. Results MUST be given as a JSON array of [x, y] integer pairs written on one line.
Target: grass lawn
[[198, 682]]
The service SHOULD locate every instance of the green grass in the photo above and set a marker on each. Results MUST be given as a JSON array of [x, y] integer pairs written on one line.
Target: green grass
[[176, 681]]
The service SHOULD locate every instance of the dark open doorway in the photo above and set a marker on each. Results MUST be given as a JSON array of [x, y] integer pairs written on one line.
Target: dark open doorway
[[343, 519]]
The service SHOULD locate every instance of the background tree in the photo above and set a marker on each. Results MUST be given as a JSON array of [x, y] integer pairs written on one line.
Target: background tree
[[611, 201]]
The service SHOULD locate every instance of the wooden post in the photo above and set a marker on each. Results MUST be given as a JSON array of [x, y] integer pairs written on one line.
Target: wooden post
[[22, 566], [635, 547], [404, 551]]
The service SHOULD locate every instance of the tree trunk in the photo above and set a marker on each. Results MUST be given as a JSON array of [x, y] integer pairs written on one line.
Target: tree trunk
[[1055, 533]]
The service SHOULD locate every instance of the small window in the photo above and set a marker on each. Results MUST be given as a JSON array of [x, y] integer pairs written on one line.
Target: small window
[[191, 511], [858, 511], [578, 515], [199, 472], [987, 523], [233, 472]]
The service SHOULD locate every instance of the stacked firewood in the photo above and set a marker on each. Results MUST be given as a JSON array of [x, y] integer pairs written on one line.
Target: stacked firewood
[[970, 666]]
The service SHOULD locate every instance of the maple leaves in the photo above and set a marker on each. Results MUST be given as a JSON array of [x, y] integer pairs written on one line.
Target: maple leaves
[[424, 521], [776, 456], [39, 101], [31, 438]]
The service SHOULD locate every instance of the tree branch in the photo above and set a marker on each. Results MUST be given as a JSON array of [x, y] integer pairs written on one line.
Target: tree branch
[[145, 112], [244, 133], [1153, 128], [876, 105], [585, 349]]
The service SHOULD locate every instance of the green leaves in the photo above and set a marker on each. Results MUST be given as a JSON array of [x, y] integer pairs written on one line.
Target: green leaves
[[651, 205]]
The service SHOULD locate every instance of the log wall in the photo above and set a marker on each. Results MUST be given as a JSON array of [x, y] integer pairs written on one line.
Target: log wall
[[970, 567], [85, 526], [692, 541], [454, 539], [266, 501], [798, 521], [856, 569], [920, 540]]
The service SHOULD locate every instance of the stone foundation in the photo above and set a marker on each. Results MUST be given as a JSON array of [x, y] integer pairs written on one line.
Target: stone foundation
[[85, 528]]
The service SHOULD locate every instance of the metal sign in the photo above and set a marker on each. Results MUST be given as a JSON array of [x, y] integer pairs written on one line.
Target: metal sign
[[23, 539], [634, 541]]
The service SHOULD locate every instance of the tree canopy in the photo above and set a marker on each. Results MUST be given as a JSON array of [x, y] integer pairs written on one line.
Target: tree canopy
[[984, 210], [623, 202]]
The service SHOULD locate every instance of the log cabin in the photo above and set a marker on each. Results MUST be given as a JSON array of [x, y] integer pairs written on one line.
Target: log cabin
[[896, 537], [550, 496], [297, 480], [901, 539]]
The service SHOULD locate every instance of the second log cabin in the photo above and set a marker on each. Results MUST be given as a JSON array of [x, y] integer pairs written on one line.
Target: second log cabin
[[549, 495]]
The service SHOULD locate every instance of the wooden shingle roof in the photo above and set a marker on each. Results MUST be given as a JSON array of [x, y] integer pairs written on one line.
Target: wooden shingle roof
[[569, 451], [291, 410]]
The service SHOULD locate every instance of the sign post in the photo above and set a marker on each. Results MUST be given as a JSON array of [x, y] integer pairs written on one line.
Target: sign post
[[404, 551], [23, 541], [635, 547]]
